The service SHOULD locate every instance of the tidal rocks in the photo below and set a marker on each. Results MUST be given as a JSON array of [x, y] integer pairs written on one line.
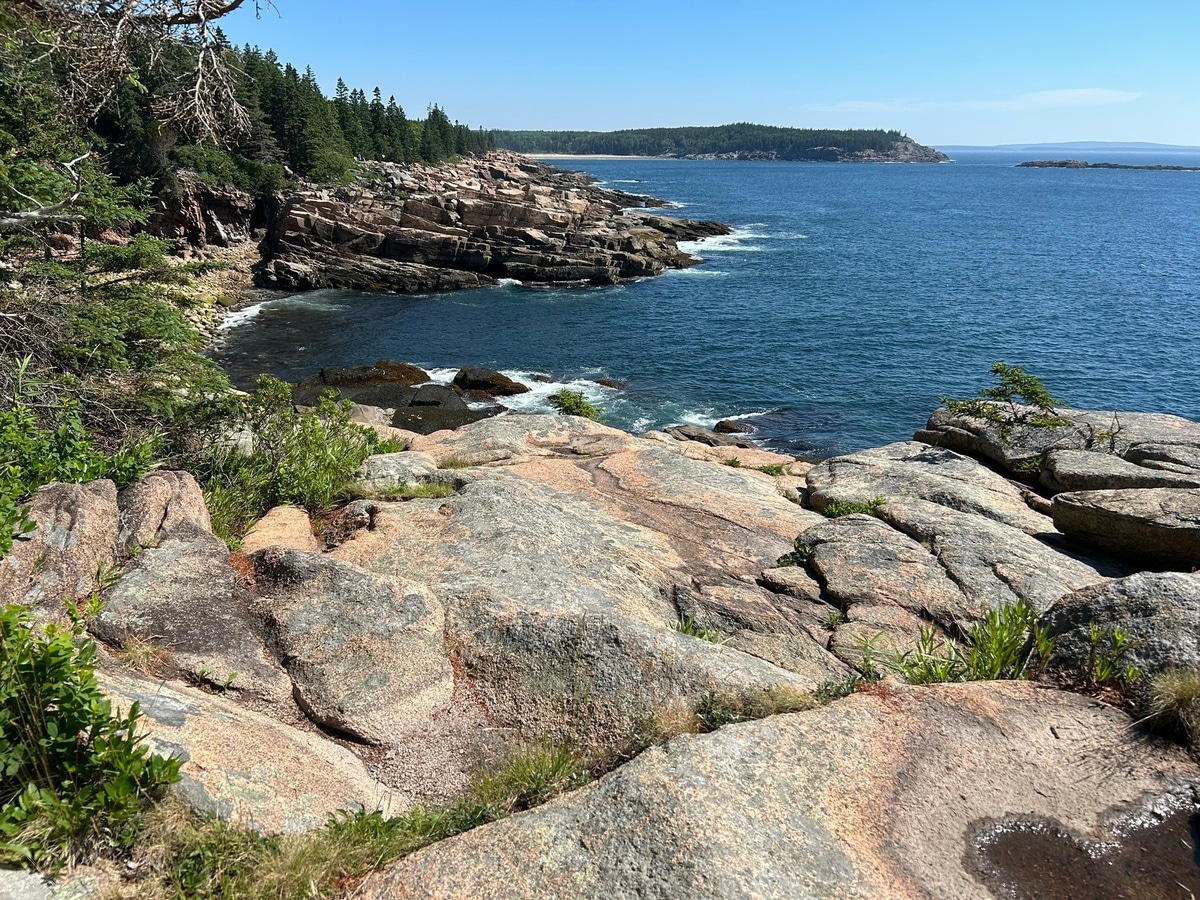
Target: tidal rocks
[[1160, 526], [872, 796], [708, 436], [469, 224], [487, 382], [1158, 611]]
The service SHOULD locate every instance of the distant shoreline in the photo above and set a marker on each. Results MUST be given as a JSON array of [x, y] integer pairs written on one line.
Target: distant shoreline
[[591, 156]]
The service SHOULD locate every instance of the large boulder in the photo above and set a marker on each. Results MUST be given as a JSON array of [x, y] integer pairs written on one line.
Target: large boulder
[[1157, 526], [246, 768], [282, 526], [366, 657], [185, 597], [487, 382], [155, 506], [69, 553], [914, 471], [1158, 611], [878, 795], [388, 471]]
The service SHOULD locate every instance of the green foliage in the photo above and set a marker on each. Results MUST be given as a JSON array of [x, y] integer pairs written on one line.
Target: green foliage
[[217, 166], [573, 403], [772, 469], [455, 462], [715, 710], [801, 553], [689, 626], [305, 458], [74, 775], [1106, 666], [733, 462], [1019, 399], [1007, 644], [37, 452], [850, 508]]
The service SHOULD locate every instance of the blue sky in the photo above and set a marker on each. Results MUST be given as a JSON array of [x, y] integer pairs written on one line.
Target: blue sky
[[946, 73]]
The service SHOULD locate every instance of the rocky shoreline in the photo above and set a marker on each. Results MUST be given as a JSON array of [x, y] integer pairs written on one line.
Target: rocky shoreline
[[416, 229], [556, 580], [1084, 164]]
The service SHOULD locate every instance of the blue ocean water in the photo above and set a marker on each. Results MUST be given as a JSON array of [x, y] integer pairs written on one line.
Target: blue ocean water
[[848, 300]]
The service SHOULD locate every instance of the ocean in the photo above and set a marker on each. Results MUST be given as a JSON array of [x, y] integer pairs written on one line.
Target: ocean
[[848, 300]]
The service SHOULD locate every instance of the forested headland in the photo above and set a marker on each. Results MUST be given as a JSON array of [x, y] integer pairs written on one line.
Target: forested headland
[[742, 139]]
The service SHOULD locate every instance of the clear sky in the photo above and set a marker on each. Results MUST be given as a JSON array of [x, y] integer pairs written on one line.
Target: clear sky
[[944, 72]]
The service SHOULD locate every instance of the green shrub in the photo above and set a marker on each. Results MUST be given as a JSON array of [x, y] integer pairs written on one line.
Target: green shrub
[[74, 775], [841, 508], [999, 405], [429, 491], [772, 469], [801, 553], [1007, 644], [56, 448], [304, 458], [573, 403], [689, 626]]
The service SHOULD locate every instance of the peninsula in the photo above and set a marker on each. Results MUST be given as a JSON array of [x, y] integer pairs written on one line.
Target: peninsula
[[1084, 164]]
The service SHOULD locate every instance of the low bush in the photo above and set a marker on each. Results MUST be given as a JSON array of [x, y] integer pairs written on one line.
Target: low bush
[[772, 469], [840, 508], [573, 403], [304, 458], [75, 776], [800, 554]]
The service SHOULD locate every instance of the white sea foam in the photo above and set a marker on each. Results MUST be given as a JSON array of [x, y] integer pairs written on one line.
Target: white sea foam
[[508, 282], [697, 270], [241, 316], [724, 243]]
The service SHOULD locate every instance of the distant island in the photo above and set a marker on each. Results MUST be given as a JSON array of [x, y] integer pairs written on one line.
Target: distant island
[[742, 141], [1084, 164]]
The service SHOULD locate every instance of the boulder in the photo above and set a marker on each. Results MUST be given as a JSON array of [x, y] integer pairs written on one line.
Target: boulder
[[64, 558], [1082, 470], [387, 471], [185, 597], [992, 563], [730, 426], [708, 436], [366, 657], [487, 382], [158, 504], [1181, 458], [1159, 611], [243, 767], [915, 471], [283, 526], [1157, 526], [877, 795]]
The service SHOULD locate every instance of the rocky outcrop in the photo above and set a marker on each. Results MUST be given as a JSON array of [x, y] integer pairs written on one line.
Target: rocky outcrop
[[487, 382], [469, 224], [1160, 526], [1158, 611], [206, 215], [873, 796], [156, 506]]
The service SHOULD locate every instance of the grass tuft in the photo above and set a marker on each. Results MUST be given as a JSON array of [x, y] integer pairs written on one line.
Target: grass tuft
[[841, 508], [772, 469], [427, 491], [691, 628], [1171, 701]]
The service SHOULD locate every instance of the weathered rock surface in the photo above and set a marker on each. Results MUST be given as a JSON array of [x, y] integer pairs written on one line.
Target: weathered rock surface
[[283, 526], [1135, 437], [71, 548], [388, 471], [243, 767], [366, 658], [914, 471], [468, 224], [158, 504], [1160, 611], [204, 214], [992, 564], [1158, 525], [1082, 470], [184, 597], [708, 436], [872, 796]]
